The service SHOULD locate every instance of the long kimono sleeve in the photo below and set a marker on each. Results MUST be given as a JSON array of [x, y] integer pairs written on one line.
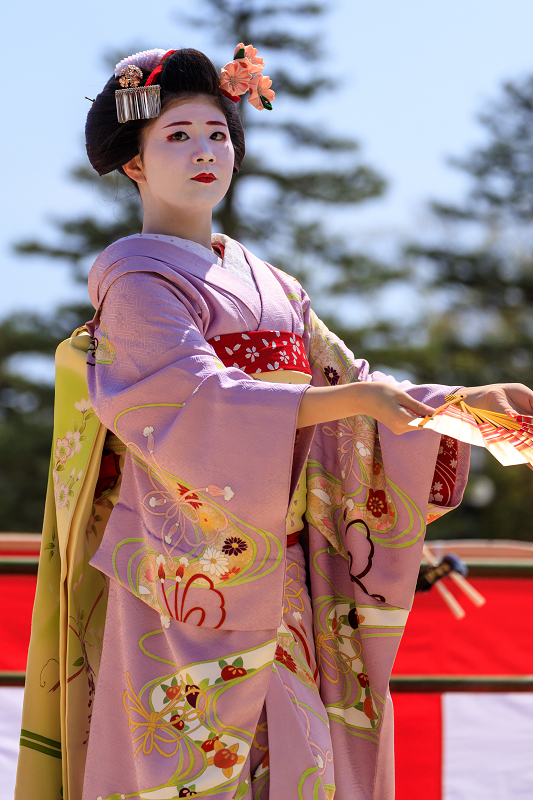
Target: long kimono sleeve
[[384, 483], [448, 459], [368, 497], [210, 453]]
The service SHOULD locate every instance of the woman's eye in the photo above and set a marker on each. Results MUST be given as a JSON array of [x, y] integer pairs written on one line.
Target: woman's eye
[[218, 136], [179, 136]]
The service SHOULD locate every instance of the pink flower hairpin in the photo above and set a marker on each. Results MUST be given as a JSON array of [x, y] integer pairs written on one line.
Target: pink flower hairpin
[[243, 74]]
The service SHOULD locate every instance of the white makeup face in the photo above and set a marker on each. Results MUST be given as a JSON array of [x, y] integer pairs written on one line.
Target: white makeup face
[[188, 141]]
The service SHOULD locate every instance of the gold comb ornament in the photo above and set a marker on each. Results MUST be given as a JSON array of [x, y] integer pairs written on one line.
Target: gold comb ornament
[[133, 100], [508, 438]]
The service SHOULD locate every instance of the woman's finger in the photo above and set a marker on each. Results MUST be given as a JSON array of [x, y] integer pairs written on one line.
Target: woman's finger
[[416, 407], [520, 397], [503, 402]]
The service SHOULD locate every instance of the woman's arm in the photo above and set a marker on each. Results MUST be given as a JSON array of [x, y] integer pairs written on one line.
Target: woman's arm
[[392, 407], [384, 401], [376, 399]]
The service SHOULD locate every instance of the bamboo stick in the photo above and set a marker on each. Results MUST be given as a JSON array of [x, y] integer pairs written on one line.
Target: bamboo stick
[[450, 600], [473, 595]]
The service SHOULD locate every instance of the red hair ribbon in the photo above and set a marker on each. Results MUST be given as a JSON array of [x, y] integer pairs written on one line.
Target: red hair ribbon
[[153, 75], [233, 97]]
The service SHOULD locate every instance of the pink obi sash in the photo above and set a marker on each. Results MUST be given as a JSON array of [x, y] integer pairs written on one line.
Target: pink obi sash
[[262, 351]]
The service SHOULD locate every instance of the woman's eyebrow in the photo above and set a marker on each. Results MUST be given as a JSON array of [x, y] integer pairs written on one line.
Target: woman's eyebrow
[[182, 122], [185, 122]]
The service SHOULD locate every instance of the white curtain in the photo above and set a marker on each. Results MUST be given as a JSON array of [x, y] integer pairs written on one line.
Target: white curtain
[[10, 718], [487, 746]]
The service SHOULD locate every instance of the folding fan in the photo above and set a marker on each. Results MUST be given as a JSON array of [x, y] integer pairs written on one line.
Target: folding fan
[[508, 438]]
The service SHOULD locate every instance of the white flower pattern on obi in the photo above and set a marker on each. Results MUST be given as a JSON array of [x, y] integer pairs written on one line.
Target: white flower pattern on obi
[[214, 562], [251, 353], [295, 343]]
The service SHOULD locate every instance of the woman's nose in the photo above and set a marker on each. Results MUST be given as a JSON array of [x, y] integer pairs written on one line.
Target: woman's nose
[[204, 155]]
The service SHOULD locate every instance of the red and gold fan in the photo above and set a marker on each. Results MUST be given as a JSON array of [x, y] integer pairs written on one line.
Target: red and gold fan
[[508, 438]]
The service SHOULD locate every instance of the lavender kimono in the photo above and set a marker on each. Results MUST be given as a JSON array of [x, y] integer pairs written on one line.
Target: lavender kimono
[[233, 666]]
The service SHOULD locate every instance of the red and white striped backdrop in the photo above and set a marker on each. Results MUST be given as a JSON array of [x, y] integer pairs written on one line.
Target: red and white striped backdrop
[[473, 745], [449, 745]]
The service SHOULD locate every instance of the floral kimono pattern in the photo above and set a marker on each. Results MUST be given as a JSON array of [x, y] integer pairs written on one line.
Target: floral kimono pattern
[[232, 666]]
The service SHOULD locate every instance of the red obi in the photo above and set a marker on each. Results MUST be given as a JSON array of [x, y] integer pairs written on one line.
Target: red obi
[[261, 351]]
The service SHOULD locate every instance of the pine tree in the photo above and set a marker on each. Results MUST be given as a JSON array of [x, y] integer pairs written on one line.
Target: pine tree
[[485, 270], [276, 211]]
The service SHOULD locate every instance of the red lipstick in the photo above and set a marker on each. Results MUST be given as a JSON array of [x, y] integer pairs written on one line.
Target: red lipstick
[[204, 177]]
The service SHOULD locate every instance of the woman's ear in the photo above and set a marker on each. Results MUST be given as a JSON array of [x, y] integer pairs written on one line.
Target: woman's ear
[[134, 169]]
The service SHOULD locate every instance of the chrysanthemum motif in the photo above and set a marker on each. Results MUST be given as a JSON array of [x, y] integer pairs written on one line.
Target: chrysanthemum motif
[[332, 375], [189, 497], [214, 562], [285, 658], [233, 546], [231, 574]]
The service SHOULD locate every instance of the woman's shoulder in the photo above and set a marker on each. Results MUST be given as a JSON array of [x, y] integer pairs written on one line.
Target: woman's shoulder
[[138, 254]]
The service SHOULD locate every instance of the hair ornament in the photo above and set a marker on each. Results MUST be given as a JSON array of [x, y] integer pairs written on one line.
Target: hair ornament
[[130, 76], [135, 101], [146, 59], [249, 54], [243, 74]]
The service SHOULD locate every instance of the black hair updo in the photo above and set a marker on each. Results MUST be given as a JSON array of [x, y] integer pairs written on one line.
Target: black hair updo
[[185, 73]]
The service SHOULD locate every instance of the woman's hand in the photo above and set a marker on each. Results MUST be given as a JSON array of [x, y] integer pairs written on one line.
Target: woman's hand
[[379, 400], [505, 398], [391, 406]]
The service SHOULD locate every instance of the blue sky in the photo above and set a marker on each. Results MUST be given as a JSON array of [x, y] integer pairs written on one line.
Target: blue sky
[[412, 74]]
